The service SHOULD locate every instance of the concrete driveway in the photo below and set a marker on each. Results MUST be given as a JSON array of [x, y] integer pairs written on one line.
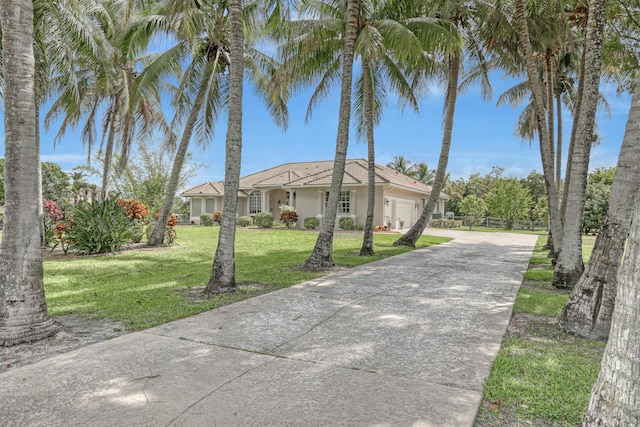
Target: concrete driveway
[[405, 341]]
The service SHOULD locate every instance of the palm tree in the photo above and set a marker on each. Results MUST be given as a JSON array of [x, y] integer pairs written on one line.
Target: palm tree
[[546, 151], [23, 310], [387, 44], [223, 275], [204, 87], [422, 173], [400, 164], [462, 18], [109, 82], [614, 399], [590, 307], [569, 266], [322, 254]]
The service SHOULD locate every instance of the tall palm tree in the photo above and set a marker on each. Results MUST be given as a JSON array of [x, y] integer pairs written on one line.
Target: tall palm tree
[[109, 84], [387, 44], [23, 310], [322, 254], [569, 266], [223, 275], [204, 88], [591, 303], [614, 398], [463, 18], [546, 152]]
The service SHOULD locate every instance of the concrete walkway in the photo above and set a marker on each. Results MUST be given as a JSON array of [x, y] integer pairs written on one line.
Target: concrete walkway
[[406, 341]]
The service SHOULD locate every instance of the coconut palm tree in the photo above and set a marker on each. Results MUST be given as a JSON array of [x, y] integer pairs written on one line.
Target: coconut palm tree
[[204, 87], [591, 303], [387, 44], [614, 398], [108, 84], [223, 275], [463, 17], [400, 164], [341, 45], [23, 310], [422, 173], [569, 266]]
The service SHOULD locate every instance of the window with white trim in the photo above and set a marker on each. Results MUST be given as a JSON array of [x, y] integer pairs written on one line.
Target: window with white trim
[[344, 202], [255, 202]]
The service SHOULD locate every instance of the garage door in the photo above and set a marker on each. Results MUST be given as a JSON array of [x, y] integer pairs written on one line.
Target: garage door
[[404, 211]]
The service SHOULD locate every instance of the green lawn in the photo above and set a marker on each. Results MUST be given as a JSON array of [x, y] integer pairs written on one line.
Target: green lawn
[[543, 376], [139, 287]]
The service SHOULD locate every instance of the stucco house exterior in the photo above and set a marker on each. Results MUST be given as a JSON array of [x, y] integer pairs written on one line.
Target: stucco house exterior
[[306, 185]]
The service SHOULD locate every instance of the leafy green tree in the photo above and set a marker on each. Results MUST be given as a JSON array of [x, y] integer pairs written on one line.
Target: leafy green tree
[[596, 205], [474, 210], [55, 182], [507, 199]]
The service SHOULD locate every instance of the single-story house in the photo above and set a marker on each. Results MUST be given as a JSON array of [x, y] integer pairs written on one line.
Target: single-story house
[[305, 186]]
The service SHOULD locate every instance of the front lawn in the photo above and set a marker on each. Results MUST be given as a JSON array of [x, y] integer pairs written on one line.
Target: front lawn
[[141, 287]]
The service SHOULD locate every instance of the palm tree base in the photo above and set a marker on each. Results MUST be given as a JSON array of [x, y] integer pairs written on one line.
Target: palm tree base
[[25, 333]]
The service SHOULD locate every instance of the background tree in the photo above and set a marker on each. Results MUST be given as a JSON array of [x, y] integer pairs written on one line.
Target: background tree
[[508, 200], [55, 182], [474, 210], [421, 172], [596, 204], [23, 309], [400, 164]]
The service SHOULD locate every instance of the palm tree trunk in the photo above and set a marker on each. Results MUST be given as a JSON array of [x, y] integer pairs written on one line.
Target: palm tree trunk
[[543, 134], [614, 399], [550, 109], [23, 310], [414, 233], [322, 255], [157, 237], [559, 139], [570, 266], [223, 274], [572, 137], [108, 151], [590, 307], [367, 240]]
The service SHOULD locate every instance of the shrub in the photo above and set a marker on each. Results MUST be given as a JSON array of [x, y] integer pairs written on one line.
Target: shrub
[[346, 223], [289, 218], [264, 220], [445, 223], [311, 222], [244, 221], [52, 215], [217, 217], [206, 219], [99, 227], [133, 209]]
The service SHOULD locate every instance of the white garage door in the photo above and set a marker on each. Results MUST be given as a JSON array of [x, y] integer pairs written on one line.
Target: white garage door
[[404, 211]]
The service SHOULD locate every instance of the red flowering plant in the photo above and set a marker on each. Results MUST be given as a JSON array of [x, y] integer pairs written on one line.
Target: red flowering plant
[[136, 212], [56, 226]]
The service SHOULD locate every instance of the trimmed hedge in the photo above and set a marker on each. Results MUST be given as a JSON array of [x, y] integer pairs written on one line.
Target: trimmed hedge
[[264, 220], [206, 219], [346, 223], [311, 223], [244, 221], [445, 223]]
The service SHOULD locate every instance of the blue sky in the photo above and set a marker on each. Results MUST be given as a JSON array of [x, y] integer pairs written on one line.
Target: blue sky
[[483, 137]]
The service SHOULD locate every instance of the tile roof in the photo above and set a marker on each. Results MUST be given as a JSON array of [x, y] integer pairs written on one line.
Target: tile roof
[[303, 174]]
